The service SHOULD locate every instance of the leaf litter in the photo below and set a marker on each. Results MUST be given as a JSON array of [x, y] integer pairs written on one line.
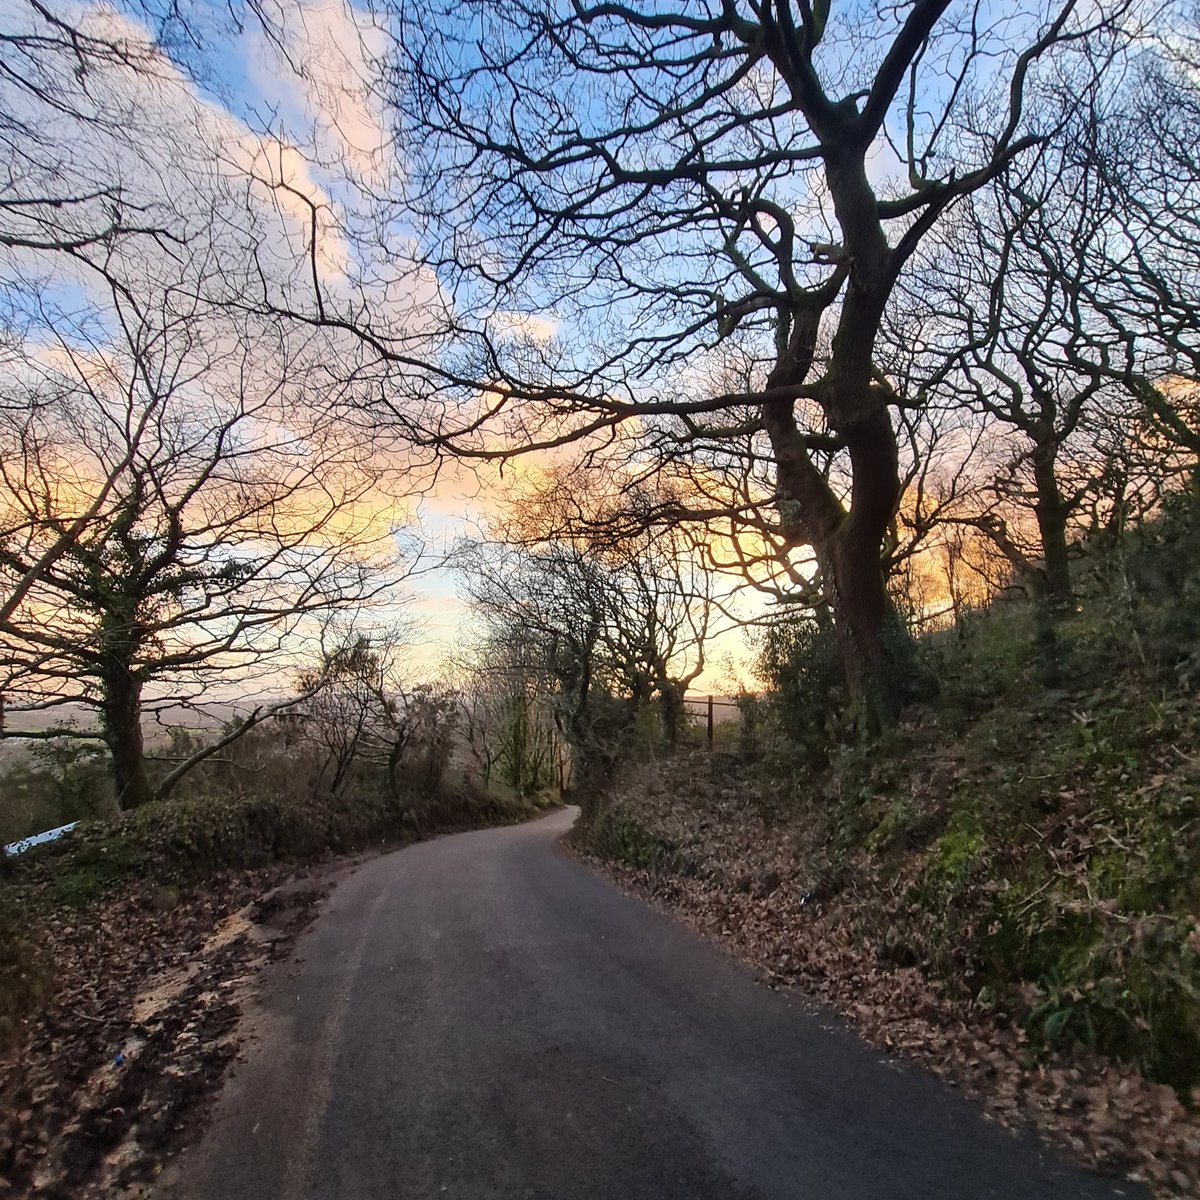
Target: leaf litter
[[734, 875], [117, 1068]]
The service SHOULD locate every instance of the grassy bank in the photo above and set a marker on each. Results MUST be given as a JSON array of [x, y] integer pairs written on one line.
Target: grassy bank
[[172, 847], [1019, 857]]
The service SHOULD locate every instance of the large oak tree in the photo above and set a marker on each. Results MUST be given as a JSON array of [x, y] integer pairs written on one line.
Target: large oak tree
[[608, 191]]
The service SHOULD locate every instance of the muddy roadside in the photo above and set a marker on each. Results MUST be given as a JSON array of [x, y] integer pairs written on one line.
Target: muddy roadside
[[116, 1072]]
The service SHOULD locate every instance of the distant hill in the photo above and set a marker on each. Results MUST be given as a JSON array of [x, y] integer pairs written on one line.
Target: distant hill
[[201, 719]]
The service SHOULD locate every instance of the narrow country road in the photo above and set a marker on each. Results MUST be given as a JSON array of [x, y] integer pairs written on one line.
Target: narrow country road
[[482, 1017]]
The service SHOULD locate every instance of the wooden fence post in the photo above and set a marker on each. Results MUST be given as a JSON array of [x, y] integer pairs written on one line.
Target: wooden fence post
[[710, 722]]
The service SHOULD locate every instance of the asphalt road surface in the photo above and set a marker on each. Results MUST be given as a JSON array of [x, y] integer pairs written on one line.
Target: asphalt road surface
[[482, 1017]]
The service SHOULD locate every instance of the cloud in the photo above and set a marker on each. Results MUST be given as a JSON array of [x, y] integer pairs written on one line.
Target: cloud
[[284, 178], [319, 71], [238, 205], [528, 325], [143, 144], [886, 172]]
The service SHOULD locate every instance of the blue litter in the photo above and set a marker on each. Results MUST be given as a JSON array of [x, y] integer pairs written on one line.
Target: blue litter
[[38, 839]]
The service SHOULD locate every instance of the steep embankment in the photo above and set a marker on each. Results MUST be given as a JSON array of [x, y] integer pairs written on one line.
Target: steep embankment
[[124, 951], [1006, 887]]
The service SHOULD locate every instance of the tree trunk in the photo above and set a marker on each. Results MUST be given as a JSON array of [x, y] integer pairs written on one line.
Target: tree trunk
[[857, 592], [671, 710], [850, 553], [395, 753], [1051, 512], [848, 541], [121, 710]]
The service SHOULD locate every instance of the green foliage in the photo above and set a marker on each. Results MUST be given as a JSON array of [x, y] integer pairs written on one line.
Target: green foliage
[[96, 864], [1032, 833], [807, 702], [862, 779], [754, 715], [960, 852], [798, 659], [1145, 590], [622, 839], [1109, 937], [904, 678], [892, 828], [520, 769], [187, 839], [1066, 875], [983, 659], [52, 783]]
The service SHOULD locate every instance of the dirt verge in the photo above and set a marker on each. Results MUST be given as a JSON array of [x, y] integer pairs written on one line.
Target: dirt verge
[[693, 847], [117, 1069]]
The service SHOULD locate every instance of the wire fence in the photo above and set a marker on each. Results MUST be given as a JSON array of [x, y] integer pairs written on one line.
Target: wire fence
[[750, 727], [710, 712]]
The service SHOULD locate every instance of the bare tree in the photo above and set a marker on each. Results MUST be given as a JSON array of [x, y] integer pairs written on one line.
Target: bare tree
[[1005, 294], [47, 61], [233, 514], [508, 706], [1147, 286], [658, 180], [346, 703], [616, 628], [50, 203], [658, 594], [117, 173], [359, 709]]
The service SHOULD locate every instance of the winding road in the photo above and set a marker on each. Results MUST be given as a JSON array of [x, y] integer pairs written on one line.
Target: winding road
[[482, 1017]]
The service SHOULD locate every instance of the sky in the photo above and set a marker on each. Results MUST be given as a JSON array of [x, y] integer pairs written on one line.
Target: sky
[[219, 137], [244, 113], [258, 129]]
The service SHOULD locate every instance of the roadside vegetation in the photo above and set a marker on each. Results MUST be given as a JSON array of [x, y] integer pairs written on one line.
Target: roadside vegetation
[[1005, 883], [124, 944], [871, 331], [340, 775], [187, 897]]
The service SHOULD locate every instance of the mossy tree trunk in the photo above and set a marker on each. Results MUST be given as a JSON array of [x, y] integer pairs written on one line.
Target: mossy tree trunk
[[848, 544], [1052, 511], [120, 637], [121, 713], [670, 698]]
